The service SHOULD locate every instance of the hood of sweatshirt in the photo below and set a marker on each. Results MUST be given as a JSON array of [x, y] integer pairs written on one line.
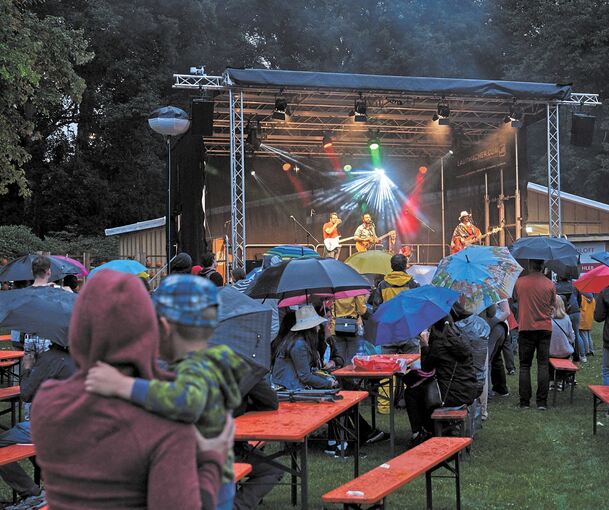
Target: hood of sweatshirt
[[114, 321], [397, 278]]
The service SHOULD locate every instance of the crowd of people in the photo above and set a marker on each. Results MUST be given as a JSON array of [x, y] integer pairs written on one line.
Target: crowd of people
[[138, 375]]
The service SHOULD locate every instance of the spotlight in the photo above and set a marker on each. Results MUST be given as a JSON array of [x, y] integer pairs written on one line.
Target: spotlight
[[253, 173], [286, 167], [296, 169], [423, 170], [450, 152], [443, 112], [515, 115], [327, 142], [347, 168], [374, 143], [359, 110], [379, 171], [435, 117], [253, 138], [281, 108]]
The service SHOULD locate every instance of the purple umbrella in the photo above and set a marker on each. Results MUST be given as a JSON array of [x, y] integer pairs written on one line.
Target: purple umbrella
[[79, 265]]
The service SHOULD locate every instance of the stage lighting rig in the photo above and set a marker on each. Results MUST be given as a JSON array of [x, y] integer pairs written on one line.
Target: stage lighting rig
[[443, 112], [282, 110], [253, 139], [515, 115], [360, 108]]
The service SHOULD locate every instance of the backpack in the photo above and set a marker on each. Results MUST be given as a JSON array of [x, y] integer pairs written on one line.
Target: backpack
[[476, 331]]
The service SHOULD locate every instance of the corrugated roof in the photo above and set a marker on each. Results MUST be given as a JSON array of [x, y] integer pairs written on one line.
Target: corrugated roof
[[135, 227], [571, 198]]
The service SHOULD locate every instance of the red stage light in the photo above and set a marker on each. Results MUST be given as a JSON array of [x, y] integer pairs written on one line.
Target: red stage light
[[422, 169], [286, 167]]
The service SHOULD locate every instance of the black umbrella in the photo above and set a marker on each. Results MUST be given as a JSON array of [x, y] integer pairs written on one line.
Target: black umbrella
[[565, 268], [21, 269], [306, 276], [245, 326], [543, 248], [42, 311]]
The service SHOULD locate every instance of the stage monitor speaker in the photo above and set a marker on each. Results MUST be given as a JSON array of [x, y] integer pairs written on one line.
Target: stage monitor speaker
[[202, 115], [582, 129]]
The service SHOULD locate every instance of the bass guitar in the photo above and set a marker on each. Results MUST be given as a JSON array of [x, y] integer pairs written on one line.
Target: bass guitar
[[331, 243], [367, 243]]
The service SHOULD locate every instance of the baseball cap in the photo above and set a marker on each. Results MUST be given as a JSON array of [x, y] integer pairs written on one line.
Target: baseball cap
[[182, 298]]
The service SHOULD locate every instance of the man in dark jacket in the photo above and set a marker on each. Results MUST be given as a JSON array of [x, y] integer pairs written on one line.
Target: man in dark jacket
[[601, 313], [55, 363]]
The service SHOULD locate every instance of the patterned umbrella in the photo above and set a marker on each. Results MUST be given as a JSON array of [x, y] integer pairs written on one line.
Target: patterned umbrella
[[483, 275], [292, 251], [371, 262]]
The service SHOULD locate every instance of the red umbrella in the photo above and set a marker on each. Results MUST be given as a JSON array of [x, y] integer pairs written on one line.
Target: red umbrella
[[593, 281], [79, 265]]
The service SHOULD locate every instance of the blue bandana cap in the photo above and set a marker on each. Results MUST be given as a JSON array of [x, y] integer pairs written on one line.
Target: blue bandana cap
[[182, 298]]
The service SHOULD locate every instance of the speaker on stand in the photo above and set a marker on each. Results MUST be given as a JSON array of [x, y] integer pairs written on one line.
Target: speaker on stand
[[202, 117], [582, 129]]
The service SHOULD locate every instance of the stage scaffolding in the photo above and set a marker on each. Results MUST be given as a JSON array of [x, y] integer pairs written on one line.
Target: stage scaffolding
[[403, 119]]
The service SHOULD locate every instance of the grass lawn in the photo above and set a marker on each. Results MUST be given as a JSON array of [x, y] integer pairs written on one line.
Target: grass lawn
[[521, 459]]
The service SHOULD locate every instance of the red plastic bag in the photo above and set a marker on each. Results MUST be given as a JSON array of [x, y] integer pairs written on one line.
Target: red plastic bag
[[381, 363]]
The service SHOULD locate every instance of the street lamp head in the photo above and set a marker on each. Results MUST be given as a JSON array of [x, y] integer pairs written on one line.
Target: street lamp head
[[169, 121]]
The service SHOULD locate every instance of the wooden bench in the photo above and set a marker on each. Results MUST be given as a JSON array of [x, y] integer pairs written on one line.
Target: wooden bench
[[569, 369], [5, 338], [241, 470], [374, 486], [599, 394], [12, 394], [17, 452]]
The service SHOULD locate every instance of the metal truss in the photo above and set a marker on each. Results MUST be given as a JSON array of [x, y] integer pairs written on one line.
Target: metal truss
[[554, 212], [237, 179], [579, 98], [198, 81]]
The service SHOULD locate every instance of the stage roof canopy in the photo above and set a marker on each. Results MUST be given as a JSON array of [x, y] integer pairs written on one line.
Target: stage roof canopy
[[399, 107]]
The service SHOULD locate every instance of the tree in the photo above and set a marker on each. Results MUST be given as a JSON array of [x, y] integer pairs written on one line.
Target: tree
[[39, 86]]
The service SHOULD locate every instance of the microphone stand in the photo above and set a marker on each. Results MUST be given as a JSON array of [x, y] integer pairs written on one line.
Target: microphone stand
[[309, 235]]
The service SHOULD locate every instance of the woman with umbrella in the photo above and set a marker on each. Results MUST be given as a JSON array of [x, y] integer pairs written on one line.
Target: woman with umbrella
[[450, 355]]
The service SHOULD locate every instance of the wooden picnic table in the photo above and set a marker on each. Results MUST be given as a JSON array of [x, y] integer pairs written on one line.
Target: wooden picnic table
[[6, 355], [292, 423], [370, 380]]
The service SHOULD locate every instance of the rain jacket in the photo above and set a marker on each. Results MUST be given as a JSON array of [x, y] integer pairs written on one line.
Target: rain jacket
[[99, 453], [393, 283], [206, 387], [601, 313], [450, 354], [476, 331], [587, 312]]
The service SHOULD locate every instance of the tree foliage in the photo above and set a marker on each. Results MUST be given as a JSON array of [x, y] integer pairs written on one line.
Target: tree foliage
[[79, 79]]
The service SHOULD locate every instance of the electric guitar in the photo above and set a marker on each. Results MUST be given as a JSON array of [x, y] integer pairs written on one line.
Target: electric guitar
[[460, 243], [331, 243], [364, 245]]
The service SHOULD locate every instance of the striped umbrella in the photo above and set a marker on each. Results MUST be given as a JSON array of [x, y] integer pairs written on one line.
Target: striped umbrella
[[292, 251]]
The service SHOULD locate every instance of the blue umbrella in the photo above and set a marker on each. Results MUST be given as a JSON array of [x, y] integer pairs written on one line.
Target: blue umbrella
[[543, 248], [21, 269], [412, 311], [42, 311], [602, 257], [122, 266]]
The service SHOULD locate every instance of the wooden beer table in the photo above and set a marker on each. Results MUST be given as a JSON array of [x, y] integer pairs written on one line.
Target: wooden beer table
[[292, 424], [370, 380]]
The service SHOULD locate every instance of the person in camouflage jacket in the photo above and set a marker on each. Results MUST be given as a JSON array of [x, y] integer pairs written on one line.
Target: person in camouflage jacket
[[206, 383]]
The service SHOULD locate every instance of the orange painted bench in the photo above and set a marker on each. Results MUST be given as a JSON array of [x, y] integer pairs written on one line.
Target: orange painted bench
[[5, 338], [445, 415], [569, 369], [17, 452], [375, 485], [241, 470], [599, 394], [12, 394]]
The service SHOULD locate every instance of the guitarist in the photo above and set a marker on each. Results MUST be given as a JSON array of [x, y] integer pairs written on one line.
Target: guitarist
[[365, 234], [465, 233], [330, 230]]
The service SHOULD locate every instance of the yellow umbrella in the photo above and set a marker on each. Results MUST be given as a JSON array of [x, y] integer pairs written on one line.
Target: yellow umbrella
[[371, 262]]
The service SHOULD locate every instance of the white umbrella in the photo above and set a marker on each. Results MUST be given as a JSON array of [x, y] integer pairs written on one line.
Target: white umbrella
[[422, 274]]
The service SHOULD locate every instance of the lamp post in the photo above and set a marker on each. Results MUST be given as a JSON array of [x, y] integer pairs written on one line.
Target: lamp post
[[169, 121]]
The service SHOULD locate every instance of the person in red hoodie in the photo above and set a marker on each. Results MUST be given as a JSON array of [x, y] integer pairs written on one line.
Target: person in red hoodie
[[99, 453]]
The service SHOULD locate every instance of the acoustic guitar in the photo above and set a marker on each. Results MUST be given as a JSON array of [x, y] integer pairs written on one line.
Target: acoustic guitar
[[459, 244], [361, 246]]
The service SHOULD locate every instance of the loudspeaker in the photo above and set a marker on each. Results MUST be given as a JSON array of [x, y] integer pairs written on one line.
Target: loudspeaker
[[582, 129], [202, 115]]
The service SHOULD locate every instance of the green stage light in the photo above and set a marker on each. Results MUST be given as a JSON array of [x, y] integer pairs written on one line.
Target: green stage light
[[347, 168]]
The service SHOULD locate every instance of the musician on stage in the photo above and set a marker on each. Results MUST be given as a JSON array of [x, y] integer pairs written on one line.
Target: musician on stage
[[366, 233], [330, 230], [465, 234]]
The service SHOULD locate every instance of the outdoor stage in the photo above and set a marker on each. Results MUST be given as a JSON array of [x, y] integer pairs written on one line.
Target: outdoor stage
[[302, 144]]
